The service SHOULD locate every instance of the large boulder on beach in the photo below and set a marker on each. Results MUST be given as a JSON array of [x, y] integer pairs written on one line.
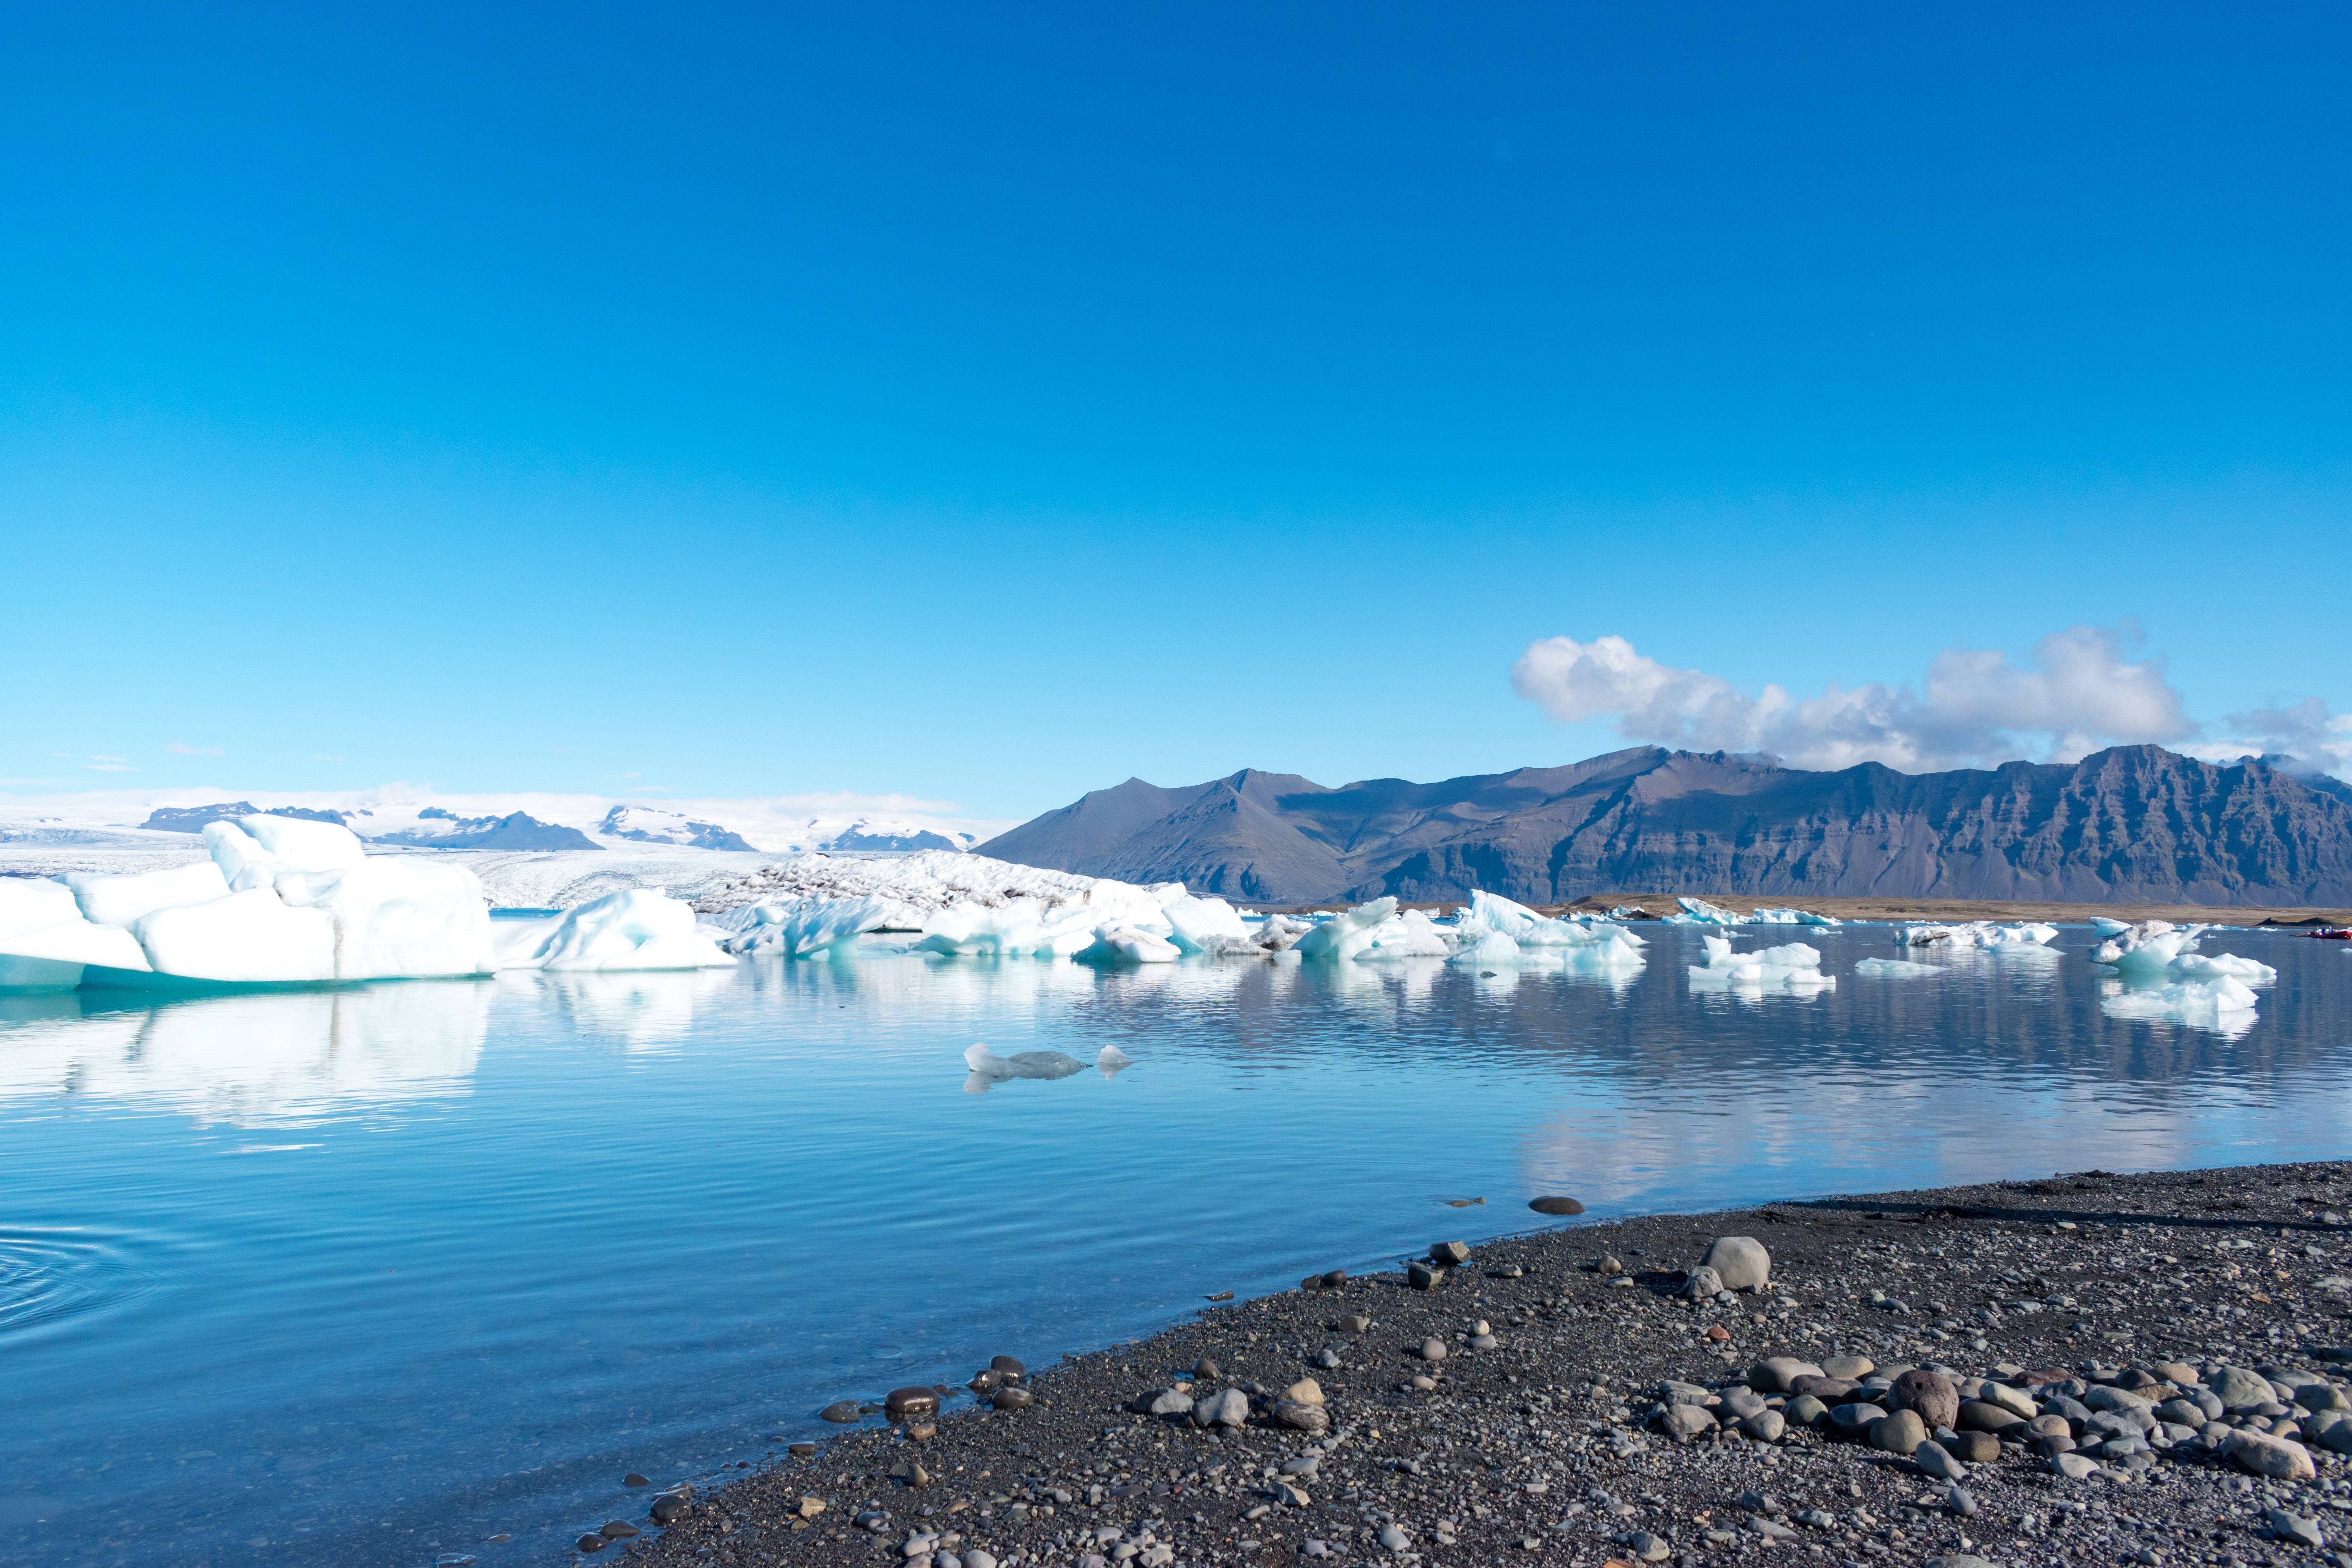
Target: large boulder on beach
[[2239, 1389], [1930, 1394], [2267, 1456], [1902, 1431], [1229, 1407], [1741, 1260]]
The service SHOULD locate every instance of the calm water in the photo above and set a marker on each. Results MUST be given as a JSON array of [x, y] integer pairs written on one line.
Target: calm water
[[371, 1276]]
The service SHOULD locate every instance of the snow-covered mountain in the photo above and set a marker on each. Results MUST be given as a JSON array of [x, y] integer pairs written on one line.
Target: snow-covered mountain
[[651, 825]]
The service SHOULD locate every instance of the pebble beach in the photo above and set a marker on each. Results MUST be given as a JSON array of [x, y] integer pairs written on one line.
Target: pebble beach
[[2088, 1368]]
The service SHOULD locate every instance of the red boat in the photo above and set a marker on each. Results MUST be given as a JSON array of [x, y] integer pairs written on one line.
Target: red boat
[[2331, 935]]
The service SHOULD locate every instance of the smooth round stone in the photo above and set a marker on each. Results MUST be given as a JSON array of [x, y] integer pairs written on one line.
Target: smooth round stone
[[1556, 1205], [1806, 1411], [1393, 1538], [801, 1450], [840, 1411], [1229, 1407], [2049, 1424], [1826, 1389], [1306, 1391], [1301, 1417], [666, 1510], [619, 1529], [1981, 1416], [1765, 1425], [592, 1543], [1684, 1422], [2239, 1389], [635, 1479], [1929, 1393], [1938, 1462], [901, 1402], [1742, 1403], [1484, 1342], [1433, 1349], [1852, 1367], [1856, 1420], [1449, 1253], [1975, 1448], [1006, 1369], [1703, 1284], [2050, 1445], [1207, 1371], [1013, 1399], [984, 1382], [1774, 1375], [1741, 1260], [1901, 1433]]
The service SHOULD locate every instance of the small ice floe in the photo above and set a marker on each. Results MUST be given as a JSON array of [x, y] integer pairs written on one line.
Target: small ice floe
[[1794, 969], [2158, 973], [1121, 944], [2107, 927], [2224, 1005], [985, 1069], [1345, 934], [1699, 913], [1895, 969], [1976, 934], [1789, 917], [1412, 934]]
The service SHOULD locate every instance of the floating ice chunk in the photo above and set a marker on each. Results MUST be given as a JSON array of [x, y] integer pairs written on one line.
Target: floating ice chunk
[[1020, 928], [1975, 933], [1126, 944], [1895, 969], [2223, 966], [1489, 911], [1794, 968], [2107, 927], [1495, 947], [397, 917], [636, 928], [1699, 913], [1412, 934], [1204, 925], [1345, 934], [1611, 948], [2224, 1005], [1110, 1059], [805, 928], [985, 1069], [1789, 917], [31, 903], [122, 901], [248, 937], [45, 943], [305, 846]]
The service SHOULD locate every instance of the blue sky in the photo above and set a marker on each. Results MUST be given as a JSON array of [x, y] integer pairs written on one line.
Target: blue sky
[[991, 405]]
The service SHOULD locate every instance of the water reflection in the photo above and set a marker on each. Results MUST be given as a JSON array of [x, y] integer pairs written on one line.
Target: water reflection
[[255, 1059]]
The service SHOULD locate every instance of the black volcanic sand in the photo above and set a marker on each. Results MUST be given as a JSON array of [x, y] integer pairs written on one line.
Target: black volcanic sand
[[1548, 1448]]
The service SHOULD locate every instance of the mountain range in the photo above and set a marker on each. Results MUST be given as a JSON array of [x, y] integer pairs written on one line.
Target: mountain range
[[2132, 824]]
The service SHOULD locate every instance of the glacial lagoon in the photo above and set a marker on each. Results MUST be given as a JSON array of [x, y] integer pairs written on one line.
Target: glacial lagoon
[[377, 1274]]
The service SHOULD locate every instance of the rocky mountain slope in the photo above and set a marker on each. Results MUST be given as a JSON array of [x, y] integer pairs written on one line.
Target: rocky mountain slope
[[2133, 824]]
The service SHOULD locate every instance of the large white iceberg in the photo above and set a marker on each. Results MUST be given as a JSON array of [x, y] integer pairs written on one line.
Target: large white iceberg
[[1976, 933], [2224, 1005], [286, 901], [634, 928], [2159, 975], [1794, 969], [1789, 917], [1699, 913], [1345, 934], [1410, 934]]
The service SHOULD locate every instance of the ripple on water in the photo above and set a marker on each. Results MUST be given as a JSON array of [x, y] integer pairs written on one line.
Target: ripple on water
[[53, 1279]]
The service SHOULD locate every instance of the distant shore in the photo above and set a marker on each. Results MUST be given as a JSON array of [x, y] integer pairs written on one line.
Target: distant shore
[[1656, 906], [1516, 1407]]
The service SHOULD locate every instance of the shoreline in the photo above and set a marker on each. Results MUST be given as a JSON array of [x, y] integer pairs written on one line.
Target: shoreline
[[1545, 1438]]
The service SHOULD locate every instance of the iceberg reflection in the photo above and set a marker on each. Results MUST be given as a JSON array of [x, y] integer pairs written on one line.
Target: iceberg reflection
[[255, 1060]]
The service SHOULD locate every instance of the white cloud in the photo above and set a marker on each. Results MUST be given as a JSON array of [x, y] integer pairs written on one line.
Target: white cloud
[[2079, 692], [2304, 730], [180, 749], [98, 764]]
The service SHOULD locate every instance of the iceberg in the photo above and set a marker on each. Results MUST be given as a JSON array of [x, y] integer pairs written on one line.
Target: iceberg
[[1490, 912], [1495, 947], [2164, 975], [2224, 1005], [2107, 927], [1412, 934], [806, 930], [286, 901], [1975, 933], [1895, 969], [1795, 969], [1610, 949], [634, 928], [1204, 925], [1345, 934], [1789, 917], [1699, 913], [1126, 944], [1023, 928], [985, 1069]]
